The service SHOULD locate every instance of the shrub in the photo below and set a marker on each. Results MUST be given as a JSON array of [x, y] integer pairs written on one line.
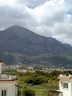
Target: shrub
[[37, 81], [29, 81], [28, 92]]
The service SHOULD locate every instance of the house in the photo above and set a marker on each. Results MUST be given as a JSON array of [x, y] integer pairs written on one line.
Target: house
[[65, 85], [8, 84]]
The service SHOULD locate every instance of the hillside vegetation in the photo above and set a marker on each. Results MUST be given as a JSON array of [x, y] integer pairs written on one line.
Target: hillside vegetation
[[39, 81]]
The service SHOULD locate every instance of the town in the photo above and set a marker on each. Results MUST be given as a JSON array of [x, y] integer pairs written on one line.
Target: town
[[33, 68]]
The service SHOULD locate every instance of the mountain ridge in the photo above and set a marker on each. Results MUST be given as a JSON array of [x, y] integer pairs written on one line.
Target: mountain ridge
[[19, 40]]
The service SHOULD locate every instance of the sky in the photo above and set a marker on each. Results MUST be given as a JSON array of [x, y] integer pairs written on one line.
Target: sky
[[50, 18]]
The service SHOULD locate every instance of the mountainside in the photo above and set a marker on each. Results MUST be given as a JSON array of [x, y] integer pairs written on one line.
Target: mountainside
[[18, 44]]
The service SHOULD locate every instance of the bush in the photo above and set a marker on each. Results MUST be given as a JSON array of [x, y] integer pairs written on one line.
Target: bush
[[52, 86], [28, 92], [29, 81], [37, 81]]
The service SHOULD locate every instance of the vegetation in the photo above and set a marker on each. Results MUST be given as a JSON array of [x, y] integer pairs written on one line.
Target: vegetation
[[28, 92], [38, 83], [38, 78]]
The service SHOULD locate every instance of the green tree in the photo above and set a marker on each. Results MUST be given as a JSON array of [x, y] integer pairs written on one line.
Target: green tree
[[28, 92]]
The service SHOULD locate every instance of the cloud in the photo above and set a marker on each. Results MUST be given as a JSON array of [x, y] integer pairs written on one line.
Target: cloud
[[45, 17], [31, 2]]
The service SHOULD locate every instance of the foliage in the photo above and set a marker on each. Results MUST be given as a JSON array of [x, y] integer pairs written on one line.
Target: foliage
[[29, 92], [38, 81], [38, 78], [52, 86]]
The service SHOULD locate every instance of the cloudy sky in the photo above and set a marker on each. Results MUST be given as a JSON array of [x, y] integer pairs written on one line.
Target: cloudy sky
[[51, 18]]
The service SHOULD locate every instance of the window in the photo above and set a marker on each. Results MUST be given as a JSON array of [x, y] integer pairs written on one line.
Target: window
[[3, 93], [65, 85]]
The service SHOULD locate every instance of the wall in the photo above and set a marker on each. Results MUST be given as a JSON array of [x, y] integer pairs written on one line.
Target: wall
[[9, 86], [66, 91]]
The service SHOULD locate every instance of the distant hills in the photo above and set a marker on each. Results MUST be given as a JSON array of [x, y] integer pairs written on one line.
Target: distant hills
[[18, 44]]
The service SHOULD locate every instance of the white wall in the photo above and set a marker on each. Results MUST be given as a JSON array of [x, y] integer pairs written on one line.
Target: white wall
[[66, 91], [9, 86]]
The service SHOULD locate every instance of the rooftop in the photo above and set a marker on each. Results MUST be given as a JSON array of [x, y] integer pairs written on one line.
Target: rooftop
[[64, 77], [8, 77]]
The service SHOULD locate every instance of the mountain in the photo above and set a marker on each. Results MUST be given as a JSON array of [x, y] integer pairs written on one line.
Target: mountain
[[18, 44]]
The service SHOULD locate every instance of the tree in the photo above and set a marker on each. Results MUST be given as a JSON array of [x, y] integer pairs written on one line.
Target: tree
[[28, 92], [51, 91]]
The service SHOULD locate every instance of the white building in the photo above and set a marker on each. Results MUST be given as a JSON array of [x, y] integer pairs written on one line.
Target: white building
[[65, 85], [8, 84]]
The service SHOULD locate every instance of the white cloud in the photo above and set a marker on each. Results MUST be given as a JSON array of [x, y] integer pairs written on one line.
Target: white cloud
[[10, 2], [44, 17], [31, 2]]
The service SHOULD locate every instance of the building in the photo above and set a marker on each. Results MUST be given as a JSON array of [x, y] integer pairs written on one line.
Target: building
[[8, 84], [65, 85]]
